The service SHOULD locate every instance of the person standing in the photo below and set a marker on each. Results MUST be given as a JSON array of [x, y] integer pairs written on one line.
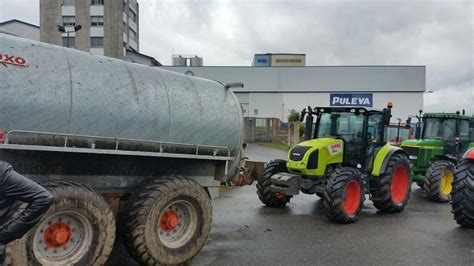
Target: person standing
[[15, 187]]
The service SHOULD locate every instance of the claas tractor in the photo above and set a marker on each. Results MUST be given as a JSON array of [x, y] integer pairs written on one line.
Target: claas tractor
[[440, 144], [463, 191], [344, 158]]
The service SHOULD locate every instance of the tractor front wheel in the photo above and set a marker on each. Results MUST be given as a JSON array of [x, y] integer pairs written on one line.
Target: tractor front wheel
[[266, 196], [439, 179], [344, 195], [391, 190], [463, 194]]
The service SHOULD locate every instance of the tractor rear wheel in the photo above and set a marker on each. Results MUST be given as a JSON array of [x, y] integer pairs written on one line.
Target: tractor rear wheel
[[78, 229], [266, 196], [439, 179], [391, 190], [344, 195], [167, 221], [463, 194]]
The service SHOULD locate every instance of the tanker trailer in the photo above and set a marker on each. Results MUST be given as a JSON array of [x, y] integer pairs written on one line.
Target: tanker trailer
[[105, 137]]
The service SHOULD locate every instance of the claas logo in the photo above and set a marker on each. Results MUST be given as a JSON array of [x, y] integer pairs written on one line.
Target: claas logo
[[335, 147], [12, 60]]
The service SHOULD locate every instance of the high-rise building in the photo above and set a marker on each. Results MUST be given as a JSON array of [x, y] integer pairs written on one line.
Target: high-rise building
[[109, 27]]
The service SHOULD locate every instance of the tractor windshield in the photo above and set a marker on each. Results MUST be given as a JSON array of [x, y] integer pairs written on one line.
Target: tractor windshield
[[436, 128], [344, 125]]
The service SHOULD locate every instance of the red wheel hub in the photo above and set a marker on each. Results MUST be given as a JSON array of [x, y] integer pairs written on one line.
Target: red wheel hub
[[352, 195], [399, 186], [169, 220], [57, 235], [279, 196]]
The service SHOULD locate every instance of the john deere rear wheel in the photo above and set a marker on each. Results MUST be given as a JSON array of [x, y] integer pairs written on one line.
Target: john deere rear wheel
[[463, 194], [439, 179], [266, 196], [391, 190], [344, 195]]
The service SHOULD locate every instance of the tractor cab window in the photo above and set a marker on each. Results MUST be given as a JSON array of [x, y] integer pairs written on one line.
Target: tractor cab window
[[435, 128], [346, 126], [464, 130]]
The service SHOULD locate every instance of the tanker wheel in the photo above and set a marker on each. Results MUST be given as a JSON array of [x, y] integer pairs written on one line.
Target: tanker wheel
[[344, 195], [463, 193], [167, 221], [267, 197], [78, 229], [391, 190], [439, 179]]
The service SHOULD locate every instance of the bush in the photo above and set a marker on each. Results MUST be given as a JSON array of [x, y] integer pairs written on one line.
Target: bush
[[294, 116]]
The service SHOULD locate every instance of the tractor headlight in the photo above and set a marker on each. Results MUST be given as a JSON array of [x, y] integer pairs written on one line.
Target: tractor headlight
[[413, 157]]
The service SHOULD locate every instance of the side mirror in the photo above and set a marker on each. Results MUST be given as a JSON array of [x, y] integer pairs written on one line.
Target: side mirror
[[408, 121], [386, 115]]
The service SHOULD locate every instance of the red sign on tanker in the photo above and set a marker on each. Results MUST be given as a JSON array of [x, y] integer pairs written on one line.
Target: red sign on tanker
[[13, 60]]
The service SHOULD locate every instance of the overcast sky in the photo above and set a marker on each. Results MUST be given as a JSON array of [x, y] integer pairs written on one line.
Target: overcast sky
[[438, 34]]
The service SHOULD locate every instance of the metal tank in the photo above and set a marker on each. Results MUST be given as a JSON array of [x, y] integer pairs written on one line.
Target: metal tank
[[179, 60], [196, 61], [48, 88]]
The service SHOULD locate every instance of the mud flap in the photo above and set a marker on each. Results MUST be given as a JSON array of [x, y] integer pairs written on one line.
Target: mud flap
[[285, 183]]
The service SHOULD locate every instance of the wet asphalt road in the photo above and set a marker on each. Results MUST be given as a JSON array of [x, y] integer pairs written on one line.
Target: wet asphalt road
[[245, 232]]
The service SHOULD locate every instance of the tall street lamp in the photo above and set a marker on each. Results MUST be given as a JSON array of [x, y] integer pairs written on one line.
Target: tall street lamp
[[63, 30]]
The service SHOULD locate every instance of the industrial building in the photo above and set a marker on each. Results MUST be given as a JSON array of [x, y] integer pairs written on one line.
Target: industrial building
[[21, 29], [109, 28], [272, 91]]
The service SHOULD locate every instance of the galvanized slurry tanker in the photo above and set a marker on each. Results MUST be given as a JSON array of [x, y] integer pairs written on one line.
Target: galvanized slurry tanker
[[101, 133], [463, 191], [346, 157], [437, 149]]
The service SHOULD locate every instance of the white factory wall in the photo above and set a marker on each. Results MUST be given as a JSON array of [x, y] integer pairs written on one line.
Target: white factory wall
[[278, 104]]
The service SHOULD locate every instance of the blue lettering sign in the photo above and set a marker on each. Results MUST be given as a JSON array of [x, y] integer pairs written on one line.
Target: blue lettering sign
[[364, 100]]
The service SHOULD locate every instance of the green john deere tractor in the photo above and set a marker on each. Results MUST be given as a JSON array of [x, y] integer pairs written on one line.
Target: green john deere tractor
[[345, 157], [437, 149]]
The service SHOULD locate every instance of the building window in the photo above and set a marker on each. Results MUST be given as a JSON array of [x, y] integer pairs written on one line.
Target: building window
[[72, 42], [132, 15], [132, 34], [97, 21], [97, 42], [69, 21], [69, 2], [97, 2]]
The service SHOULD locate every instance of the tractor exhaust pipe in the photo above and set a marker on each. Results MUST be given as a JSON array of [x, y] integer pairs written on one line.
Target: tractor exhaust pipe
[[309, 122]]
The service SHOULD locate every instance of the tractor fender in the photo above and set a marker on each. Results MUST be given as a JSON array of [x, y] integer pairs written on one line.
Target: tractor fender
[[383, 156], [469, 154]]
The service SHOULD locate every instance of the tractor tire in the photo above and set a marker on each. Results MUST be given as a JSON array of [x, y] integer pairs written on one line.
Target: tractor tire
[[266, 196], [463, 194], [78, 229], [344, 195], [321, 195], [391, 190], [167, 221], [438, 181]]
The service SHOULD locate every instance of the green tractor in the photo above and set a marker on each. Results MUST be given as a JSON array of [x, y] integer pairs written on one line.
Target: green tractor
[[345, 157], [437, 149]]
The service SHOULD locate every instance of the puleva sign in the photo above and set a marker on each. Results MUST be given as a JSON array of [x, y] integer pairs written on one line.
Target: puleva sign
[[365, 100]]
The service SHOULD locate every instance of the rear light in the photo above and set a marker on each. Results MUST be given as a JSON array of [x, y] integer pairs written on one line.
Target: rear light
[[2, 137]]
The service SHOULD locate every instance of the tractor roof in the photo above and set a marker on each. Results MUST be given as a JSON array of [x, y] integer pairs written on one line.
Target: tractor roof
[[447, 115], [343, 110]]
